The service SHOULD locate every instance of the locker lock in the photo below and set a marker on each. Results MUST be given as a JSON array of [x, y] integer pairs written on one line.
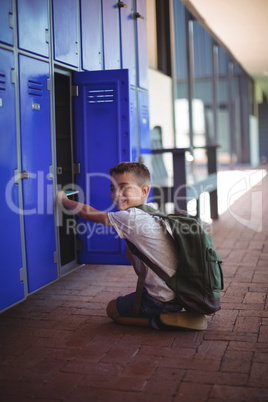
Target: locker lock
[[59, 170]]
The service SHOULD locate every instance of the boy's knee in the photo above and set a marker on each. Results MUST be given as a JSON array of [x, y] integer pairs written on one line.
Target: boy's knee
[[111, 310]]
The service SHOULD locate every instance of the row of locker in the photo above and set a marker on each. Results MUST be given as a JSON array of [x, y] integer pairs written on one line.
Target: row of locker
[[105, 134], [35, 153], [108, 32]]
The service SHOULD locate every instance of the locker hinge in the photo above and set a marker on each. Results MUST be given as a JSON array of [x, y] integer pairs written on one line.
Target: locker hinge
[[76, 168], [22, 274], [11, 20], [121, 4], [74, 90], [47, 35], [49, 84], [51, 172], [13, 76], [137, 15], [55, 257], [16, 176], [79, 245]]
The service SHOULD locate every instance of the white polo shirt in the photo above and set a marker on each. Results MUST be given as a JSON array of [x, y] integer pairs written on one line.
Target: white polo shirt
[[152, 236]]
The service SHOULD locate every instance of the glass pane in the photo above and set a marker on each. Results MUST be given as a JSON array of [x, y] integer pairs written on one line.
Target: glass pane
[[203, 123], [202, 95], [181, 88]]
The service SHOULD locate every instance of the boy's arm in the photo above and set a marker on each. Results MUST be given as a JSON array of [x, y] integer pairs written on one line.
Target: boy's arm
[[85, 211]]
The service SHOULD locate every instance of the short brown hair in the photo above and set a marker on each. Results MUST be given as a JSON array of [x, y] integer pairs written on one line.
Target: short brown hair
[[137, 169]]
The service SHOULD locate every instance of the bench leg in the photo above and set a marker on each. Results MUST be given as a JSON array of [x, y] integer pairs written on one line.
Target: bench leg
[[214, 204], [198, 209]]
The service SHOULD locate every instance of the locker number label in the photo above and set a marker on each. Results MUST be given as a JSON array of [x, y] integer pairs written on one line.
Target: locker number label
[[35, 106]]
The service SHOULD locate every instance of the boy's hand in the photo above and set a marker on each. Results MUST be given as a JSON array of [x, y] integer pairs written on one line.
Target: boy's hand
[[84, 211], [60, 196]]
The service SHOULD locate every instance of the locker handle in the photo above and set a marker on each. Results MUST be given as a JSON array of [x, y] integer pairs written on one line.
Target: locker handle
[[11, 20], [138, 15], [121, 4]]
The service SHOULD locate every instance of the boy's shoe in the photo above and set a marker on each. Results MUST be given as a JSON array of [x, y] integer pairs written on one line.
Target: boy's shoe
[[184, 319]]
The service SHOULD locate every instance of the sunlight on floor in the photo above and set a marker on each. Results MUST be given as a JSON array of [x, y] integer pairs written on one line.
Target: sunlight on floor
[[232, 184]]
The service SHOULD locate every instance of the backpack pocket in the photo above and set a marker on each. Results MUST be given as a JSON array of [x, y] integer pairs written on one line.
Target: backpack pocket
[[214, 269]]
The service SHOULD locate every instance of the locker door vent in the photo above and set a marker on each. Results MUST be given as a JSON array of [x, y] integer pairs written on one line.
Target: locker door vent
[[35, 88], [100, 95], [2, 82], [144, 111], [132, 107], [144, 114]]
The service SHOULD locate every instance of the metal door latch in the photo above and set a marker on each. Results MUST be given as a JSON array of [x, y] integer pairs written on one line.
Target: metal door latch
[[20, 175], [24, 174]]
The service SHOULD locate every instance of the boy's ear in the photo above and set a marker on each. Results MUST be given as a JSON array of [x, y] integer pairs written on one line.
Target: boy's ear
[[145, 190]]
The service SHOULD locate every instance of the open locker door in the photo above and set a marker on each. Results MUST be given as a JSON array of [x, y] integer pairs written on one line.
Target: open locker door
[[102, 139]]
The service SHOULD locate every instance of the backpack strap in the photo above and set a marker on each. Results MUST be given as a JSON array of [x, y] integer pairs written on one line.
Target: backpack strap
[[139, 291], [158, 271], [151, 211], [155, 212], [140, 283]]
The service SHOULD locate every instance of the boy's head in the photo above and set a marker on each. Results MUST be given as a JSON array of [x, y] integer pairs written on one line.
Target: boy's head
[[130, 184]]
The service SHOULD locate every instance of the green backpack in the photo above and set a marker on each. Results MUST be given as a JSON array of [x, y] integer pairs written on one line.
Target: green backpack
[[198, 278]]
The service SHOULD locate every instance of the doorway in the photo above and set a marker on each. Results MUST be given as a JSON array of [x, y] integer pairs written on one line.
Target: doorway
[[65, 173]]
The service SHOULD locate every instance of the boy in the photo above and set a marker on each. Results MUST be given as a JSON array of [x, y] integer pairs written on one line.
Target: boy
[[130, 186]]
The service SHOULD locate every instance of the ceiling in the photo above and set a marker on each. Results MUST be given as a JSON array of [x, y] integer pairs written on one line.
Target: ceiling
[[242, 27]]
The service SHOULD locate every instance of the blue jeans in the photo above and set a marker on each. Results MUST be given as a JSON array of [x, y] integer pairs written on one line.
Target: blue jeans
[[150, 307]]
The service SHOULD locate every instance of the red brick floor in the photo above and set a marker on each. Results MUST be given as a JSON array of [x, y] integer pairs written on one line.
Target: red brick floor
[[58, 345]]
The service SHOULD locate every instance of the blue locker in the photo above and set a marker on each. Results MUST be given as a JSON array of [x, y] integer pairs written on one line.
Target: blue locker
[[133, 123], [91, 35], [144, 123], [144, 132], [102, 139], [36, 160], [11, 288], [65, 31], [111, 39], [142, 43], [128, 41], [33, 26], [6, 32]]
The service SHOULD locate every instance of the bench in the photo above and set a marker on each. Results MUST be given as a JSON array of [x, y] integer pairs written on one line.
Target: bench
[[183, 187]]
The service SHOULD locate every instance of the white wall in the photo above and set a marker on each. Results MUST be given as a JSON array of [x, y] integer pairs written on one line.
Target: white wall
[[254, 141], [161, 109], [161, 105], [151, 33]]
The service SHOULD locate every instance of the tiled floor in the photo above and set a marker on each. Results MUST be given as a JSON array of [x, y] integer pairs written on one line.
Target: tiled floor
[[58, 345]]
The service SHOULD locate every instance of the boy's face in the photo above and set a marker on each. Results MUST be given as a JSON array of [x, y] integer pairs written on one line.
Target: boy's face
[[126, 192]]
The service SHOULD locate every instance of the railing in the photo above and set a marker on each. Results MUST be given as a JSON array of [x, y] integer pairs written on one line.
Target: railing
[[180, 190]]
